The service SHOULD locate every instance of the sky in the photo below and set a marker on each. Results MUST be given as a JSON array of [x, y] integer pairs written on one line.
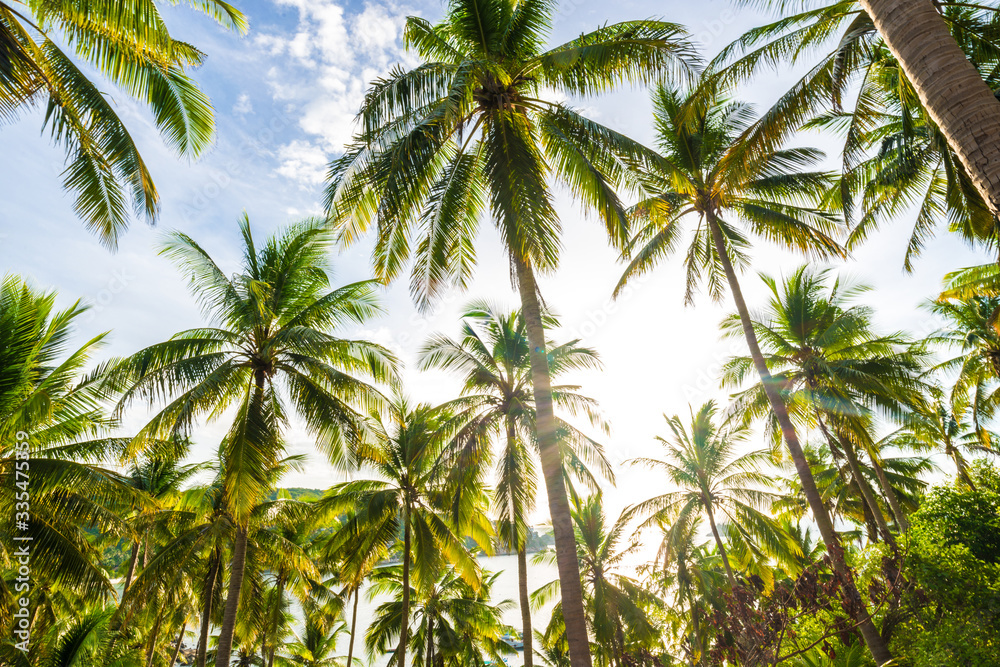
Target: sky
[[285, 97]]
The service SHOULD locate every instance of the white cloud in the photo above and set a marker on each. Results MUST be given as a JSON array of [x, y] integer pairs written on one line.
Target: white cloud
[[302, 161], [243, 105]]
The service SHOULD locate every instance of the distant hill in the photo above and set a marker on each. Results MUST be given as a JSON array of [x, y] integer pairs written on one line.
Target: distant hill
[[296, 493]]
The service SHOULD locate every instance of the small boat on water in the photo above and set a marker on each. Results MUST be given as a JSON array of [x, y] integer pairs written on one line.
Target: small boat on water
[[514, 641]]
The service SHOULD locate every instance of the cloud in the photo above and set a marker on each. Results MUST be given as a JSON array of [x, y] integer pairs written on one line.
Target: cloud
[[323, 66], [243, 105]]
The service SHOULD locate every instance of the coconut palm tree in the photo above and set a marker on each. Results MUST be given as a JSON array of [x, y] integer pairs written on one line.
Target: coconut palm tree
[[493, 358], [619, 609], [55, 434], [414, 494], [835, 371], [272, 345], [130, 46], [705, 175], [455, 624], [467, 134], [712, 480]]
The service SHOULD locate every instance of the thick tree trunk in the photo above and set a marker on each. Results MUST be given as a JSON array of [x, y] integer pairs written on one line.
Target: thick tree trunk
[[522, 591], [722, 547], [948, 85], [571, 589], [206, 614], [236, 571], [354, 627], [405, 625], [177, 649], [853, 601]]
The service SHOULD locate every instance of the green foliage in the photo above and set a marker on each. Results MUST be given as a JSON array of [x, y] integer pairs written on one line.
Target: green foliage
[[953, 562]]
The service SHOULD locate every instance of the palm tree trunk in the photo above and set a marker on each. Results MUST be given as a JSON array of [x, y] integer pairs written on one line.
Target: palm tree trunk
[[890, 495], [853, 602], [949, 86], [177, 649], [206, 615], [277, 617], [430, 642], [405, 625], [867, 496], [522, 590], [236, 571], [154, 636], [571, 590], [722, 548], [354, 625], [131, 566]]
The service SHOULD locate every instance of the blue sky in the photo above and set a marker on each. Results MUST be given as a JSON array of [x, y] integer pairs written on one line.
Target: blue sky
[[285, 95]]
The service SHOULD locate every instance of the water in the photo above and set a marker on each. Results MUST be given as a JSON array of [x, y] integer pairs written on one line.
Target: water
[[505, 588]]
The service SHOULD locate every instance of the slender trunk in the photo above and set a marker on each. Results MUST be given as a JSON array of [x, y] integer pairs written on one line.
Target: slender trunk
[[430, 642], [722, 548], [354, 625], [405, 626], [522, 590], [949, 86], [890, 495], [277, 620], [236, 571], [131, 566], [571, 590], [960, 466], [867, 497], [696, 621], [206, 615], [853, 602], [154, 636], [177, 649]]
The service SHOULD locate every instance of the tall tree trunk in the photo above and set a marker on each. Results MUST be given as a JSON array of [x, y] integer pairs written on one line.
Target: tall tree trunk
[[153, 638], [277, 617], [853, 601], [177, 649], [430, 642], [571, 590], [405, 626], [354, 626], [236, 571], [522, 591], [206, 614], [949, 86], [722, 547], [890, 494], [131, 566], [867, 497]]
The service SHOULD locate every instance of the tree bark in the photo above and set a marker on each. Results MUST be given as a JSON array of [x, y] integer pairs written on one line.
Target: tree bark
[[153, 638], [405, 625], [522, 590], [206, 615], [949, 86], [722, 547], [571, 589], [277, 617], [131, 566], [853, 601], [890, 494], [236, 571], [177, 649], [354, 626]]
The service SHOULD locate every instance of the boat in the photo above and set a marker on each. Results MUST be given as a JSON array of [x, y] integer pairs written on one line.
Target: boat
[[513, 640]]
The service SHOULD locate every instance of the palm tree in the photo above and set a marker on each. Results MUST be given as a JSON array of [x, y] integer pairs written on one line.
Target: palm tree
[[620, 610], [705, 174], [407, 447], [316, 646], [130, 46], [835, 372], [456, 624], [493, 357], [895, 158], [54, 423], [712, 480], [466, 134], [272, 344]]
